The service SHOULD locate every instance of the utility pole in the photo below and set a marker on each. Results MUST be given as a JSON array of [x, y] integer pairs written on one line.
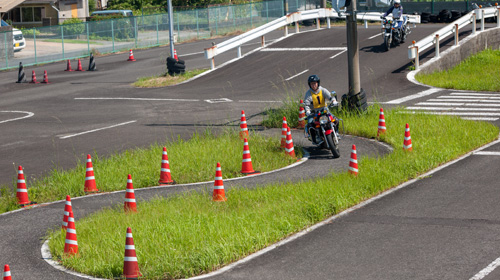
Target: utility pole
[[171, 27], [352, 49]]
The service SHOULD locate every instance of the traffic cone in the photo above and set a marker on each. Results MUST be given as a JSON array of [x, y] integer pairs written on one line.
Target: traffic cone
[[71, 244], [33, 78], [302, 115], [407, 142], [381, 123], [6, 273], [68, 66], [284, 128], [131, 56], [22, 191], [243, 126], [219, 193], [246, 164], [289, 143], [92, 63], [353, 163], [130, 265], [67, 209], [175, 55], [90, 186], [165, 176], [79, 66], [45, 78], [130, 204], [21, 77]]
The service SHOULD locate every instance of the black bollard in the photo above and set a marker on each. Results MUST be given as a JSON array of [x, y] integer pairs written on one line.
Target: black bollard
[[92, 63], [21, 78]]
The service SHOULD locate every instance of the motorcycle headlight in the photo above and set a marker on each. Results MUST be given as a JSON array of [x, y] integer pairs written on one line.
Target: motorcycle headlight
[[323, 119]]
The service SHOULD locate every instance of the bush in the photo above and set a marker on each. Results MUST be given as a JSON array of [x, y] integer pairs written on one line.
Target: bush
[[72, 27]]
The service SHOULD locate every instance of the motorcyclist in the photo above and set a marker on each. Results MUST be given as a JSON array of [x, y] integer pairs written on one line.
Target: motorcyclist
[[397, 14], [316, 98]]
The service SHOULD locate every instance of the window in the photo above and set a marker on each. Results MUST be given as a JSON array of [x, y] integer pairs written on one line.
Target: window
[[26, 14]]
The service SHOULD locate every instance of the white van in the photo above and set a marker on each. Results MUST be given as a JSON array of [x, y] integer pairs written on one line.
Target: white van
[[125, 13], [18, 38]]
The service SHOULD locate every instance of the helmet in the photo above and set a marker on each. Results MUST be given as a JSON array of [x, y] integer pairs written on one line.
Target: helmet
[[313, 78], [397, 2]]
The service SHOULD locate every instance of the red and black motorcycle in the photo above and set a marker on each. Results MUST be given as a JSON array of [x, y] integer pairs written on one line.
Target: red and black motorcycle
[[325, 127]]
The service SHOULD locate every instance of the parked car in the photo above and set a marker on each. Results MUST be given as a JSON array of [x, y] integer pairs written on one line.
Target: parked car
[[125, 13], [18, 38]]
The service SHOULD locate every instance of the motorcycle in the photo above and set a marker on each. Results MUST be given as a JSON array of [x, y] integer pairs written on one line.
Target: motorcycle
[[325, 127], [392, 33]]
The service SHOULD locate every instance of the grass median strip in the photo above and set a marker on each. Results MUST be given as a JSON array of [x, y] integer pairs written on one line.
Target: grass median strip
[[188, 234], [191, 161]]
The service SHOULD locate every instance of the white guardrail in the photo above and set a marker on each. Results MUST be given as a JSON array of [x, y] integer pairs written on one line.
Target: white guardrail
[[261, 31], [452, 29]]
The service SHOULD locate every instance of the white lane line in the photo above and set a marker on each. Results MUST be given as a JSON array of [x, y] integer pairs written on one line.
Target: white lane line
[[374, 36], [137, 99], [338, 54], [481, 274], [296, 75], [259, 101], [439, 103], [470, 97], [475, 94], [453, 109], [448, 99], [28, 115], [414, 96], [302, 49], [481, 119], [94, 130], [461, 113], [486, 153]]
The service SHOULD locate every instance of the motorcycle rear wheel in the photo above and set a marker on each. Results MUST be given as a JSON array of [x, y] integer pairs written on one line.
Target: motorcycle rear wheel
[[334, 147]]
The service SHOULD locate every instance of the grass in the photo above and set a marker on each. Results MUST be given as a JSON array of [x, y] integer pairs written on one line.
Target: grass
[[188, 234], [481, 71], [72, 41], [190, 161], [166, 80]]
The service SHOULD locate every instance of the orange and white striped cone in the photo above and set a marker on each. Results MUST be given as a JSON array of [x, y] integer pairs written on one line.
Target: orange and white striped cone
[[22, 191], [175, 55], [219, 193], [381, 123], [284, 128], [33, 78], [68, 67], [302, 115], [246, 163], [45, 78], [67, 209], [6, 273], [130, 205], [130, 265], [289, 144], [243, 126], [407, 142], [71, 244], [90, 186], [131, 56], [353, 163], [165, 176], [79, 68]]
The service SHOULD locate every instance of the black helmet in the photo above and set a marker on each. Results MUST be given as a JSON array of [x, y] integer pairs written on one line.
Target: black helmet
[[313, 78]]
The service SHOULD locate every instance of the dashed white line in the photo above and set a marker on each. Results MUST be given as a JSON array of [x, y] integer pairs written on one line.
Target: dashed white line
[[260, 101], [331, 57], [302, 49], [296, 75], [94, 130], [135, 99], [414, 96], [374, 36], [28, 114]]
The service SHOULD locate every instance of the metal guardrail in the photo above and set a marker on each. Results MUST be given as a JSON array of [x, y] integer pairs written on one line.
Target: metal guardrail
[[261, 31], [452, 29]]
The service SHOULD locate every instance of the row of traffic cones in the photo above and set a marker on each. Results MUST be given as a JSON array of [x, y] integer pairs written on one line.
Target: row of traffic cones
[[92, 66], [407, 146], [22, 77]]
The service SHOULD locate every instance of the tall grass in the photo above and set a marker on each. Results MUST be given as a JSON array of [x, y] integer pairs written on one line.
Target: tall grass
[[479, 72], [188, 234], [190, 161]]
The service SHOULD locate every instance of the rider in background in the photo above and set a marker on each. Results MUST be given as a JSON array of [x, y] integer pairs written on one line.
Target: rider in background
[[315, 99], [397, 14]]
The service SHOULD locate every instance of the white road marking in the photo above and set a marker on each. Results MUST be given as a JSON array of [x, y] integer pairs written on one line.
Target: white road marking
[[28, 115], [452, 109], [374, 36], [474, 94], [12, 144], [219, 100], [302, 49], [480, 119], [470, 97], [414, 96], [338, 54], [481, 274], [260, 101], [462, 114], [296, 75], [94, 130], [486, 153], [449, 99], [439, 103], [137, 99]]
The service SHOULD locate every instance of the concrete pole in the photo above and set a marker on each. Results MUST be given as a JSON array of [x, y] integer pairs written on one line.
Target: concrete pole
[[353, 50], [171, 27]]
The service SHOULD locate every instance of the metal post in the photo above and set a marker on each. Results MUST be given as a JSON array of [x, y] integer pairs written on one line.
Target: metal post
[[353, 50], [498, 17], [157, 31], [286, 30], [62, 41], [262, 41], [432, 6], [474, 23], [234, 15], [136, 32], [212, 63], [328, 25], [251, 17], [417, 66], [197, 25], [456, 34], [216, 20], [296, 27], [318, 25], [366, 24], [34, 44], [113, 34], [88, 39], [178, 28], [239, 51], [482, 20], [436, 44], [171, 27], [6, 52], [267, 11]]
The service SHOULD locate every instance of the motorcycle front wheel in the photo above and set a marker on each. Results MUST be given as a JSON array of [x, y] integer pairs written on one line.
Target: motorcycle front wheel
[[334, 147], [387, 43]]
